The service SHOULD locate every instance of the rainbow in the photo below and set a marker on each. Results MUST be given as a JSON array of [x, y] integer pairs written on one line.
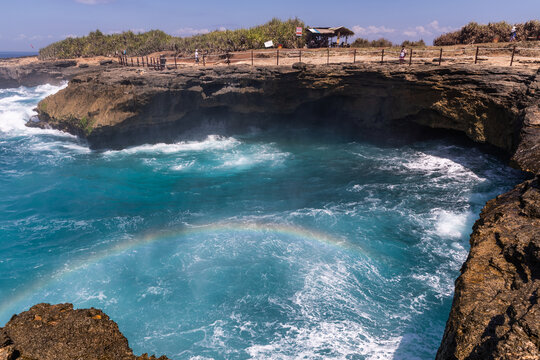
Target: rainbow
[[228, 227]]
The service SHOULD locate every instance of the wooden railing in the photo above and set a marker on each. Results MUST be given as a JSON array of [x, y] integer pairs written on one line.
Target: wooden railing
[[504, 56]]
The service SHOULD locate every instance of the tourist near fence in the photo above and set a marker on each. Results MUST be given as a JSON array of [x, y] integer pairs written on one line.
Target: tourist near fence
[[506, 55]]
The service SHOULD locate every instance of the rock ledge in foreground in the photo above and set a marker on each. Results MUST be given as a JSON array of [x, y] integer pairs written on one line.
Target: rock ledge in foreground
[[58, 332]]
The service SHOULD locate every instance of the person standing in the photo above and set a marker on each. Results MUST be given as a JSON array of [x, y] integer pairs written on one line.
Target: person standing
[[196, 56], [402, 55], [513, 33]]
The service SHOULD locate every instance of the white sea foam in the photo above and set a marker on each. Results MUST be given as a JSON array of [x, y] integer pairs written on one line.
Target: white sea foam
[[431, 164], [183, 165], [17, 107], [253, 155], [451, 224], [327, 329], [212, 142]]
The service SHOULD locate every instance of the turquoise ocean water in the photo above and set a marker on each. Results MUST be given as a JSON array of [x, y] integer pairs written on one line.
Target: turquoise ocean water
[[297, 244]]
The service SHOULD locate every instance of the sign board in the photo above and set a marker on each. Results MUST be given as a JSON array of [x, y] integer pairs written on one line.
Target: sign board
[[299, 31], [269, 44]]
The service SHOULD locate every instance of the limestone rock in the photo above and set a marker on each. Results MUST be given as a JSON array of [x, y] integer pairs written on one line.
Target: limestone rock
[[39, 73], [495, 313], [122, 107], [57, 332]]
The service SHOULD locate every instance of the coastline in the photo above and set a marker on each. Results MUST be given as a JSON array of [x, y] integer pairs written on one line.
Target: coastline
[[441, 98]]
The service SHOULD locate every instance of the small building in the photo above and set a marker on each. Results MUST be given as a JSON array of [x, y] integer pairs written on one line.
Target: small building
[[318, 37]]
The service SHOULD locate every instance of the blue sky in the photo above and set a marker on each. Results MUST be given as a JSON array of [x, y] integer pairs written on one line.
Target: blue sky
[[40, 22]]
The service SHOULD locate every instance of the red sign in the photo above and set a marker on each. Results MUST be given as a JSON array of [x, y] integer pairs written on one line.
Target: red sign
[[299, 31]]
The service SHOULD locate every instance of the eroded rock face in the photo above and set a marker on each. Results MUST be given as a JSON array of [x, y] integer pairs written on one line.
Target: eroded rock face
[[57, 332], [122, 107], [495, 313], [39, 73]]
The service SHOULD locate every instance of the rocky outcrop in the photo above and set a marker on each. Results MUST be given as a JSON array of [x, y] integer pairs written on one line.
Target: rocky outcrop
[[13, 75], [57, 332], [495, 313], [123, 107]]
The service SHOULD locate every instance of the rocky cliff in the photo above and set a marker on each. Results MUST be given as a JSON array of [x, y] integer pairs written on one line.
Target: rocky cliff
[[122, 107], [495, 313], [57, 332], [34, 73]]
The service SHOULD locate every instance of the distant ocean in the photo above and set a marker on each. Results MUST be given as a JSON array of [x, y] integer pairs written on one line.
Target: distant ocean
[[12, 54]]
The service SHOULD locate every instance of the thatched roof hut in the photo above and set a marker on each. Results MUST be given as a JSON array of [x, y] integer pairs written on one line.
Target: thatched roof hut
[[322, 36]]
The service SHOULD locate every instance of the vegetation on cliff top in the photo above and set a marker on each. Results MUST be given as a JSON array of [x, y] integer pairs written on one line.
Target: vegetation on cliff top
[[474, 33], [99, 44]]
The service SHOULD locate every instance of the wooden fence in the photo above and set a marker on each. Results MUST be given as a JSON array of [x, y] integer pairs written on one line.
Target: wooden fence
[[502, 56]]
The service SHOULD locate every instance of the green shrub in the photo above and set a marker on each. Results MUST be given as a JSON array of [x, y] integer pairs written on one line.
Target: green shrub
[[98, 44], [408, 44], [364, 43], [474, 33]]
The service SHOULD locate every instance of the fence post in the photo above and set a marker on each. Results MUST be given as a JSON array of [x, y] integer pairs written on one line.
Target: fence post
[[300, 55], [277, 57], [327, 56], [137, 61], [251, 57], [513, 53], [175, 65], [131, 62], [203, 59], [354, 57], [476, 56], [228, 58], [440, 57], [147, 63], [410, 57], [382, 56]]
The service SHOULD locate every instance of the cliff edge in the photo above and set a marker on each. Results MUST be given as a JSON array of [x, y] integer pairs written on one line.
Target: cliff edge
[[121, 107], [57, 332], [495, 313]]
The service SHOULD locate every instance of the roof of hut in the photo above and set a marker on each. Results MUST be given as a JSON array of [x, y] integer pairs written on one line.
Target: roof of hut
[[331, 31]]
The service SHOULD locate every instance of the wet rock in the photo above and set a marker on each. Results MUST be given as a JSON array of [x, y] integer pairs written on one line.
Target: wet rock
[[301, 66], [58, 332], [105, 62], [39, 73], [495, 313], [64, 63], [125, 107]]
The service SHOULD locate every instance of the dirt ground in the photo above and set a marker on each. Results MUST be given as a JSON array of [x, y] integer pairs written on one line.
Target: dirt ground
[[488, 55]]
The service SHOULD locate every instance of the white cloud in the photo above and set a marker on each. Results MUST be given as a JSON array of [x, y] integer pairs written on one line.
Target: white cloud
[[21, 37], [417, 31], [372, 30], [188, 31], [410, 33], [433, 28], [93, 2]]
